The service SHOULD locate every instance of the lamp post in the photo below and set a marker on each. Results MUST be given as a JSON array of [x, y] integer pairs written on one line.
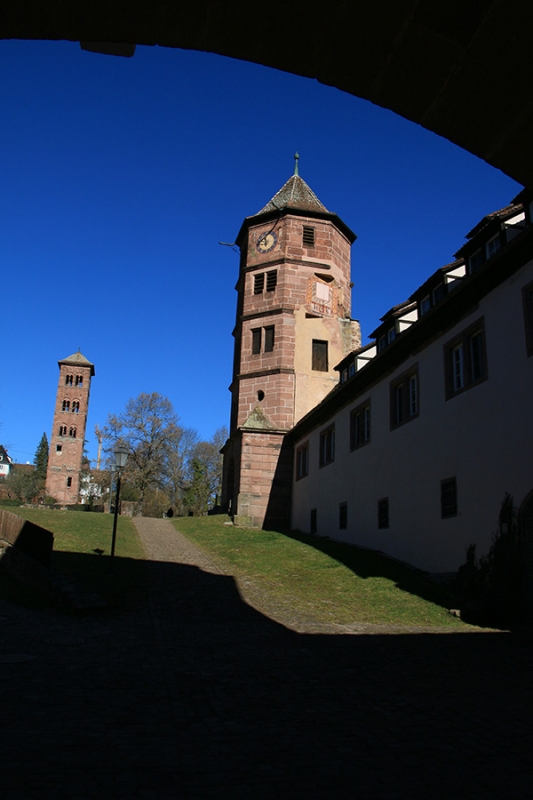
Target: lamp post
[[121, 456], [112, 470]]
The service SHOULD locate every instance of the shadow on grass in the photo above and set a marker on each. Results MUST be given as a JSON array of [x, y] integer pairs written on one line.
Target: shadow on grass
[[122, 583], [370, 564]]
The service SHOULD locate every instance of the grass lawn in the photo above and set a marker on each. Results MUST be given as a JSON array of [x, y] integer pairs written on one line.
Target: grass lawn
[[319, 578], [77, 535]]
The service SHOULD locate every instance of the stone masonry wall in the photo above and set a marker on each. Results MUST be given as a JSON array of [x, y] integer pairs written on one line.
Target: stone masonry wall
[[68, 434]]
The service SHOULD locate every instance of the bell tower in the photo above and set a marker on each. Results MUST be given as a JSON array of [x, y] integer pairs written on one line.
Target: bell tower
[[68, 431], [293, 326]]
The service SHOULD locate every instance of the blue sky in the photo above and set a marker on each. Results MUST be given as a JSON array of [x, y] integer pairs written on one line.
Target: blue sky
[[121, 176]]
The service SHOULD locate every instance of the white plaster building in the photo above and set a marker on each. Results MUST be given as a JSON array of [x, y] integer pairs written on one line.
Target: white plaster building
[[431, 423]]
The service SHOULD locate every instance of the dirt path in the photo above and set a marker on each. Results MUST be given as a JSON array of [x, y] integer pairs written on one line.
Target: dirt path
[[163, 543]]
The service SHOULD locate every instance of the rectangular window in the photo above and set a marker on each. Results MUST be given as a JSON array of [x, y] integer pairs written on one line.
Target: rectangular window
[[448, 498], [391, 335], [302, 461], [272, 280], [383, 512], [69, 482], [477, 355], [256, 341], [475, 261], [425, 305], [438, 293], [313, 521], [527, 297], [465, 360], [343, 516], [360, 426], [458, 367], [493, 245], [320, 356], [404, 398], [327, 446], [308, 238], [259, 282], [269, 339], [413, 395], [59, 447]]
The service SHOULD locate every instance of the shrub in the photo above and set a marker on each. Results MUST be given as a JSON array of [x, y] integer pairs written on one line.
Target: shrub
[[495, 584]]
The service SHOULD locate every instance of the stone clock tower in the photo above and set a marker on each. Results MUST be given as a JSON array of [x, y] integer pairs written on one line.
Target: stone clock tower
[[68, 432], [293, 326]]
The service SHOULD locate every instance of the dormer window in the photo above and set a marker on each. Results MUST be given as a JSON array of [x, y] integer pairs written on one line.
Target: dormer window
[[308, 238], [425, 305], [382, 343], [391, 335], [475, 261], [438, 293], [493, 245]]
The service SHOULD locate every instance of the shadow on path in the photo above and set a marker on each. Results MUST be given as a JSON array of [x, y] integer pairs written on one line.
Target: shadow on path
[[197, 695]]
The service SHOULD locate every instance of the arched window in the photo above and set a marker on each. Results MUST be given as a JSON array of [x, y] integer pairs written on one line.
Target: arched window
[[66, 405], [76, 406], [62, 430], [79, 380], [72, 433], [68, 380]]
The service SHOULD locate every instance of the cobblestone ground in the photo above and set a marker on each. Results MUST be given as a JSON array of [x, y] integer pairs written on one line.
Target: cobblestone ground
[[198, 695]]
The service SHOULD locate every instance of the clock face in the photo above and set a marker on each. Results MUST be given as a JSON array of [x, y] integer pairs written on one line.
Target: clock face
[[266, 242]]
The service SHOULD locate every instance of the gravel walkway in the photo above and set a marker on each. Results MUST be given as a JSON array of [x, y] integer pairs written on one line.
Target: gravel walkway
[[198, 695], [162, 542]]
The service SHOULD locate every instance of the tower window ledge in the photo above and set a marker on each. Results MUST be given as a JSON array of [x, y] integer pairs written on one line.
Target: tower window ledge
[[318, 262]]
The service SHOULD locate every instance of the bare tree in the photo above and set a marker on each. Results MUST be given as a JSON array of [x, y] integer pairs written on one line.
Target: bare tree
[[178, 467], [149, 428]]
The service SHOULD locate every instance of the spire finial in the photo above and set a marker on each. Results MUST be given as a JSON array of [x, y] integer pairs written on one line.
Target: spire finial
[[296, 159]]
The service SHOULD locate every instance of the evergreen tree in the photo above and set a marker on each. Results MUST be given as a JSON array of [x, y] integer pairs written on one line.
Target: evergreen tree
[[40, 458]]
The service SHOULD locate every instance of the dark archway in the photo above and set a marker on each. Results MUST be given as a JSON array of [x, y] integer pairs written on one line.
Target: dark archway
[[462, 70]]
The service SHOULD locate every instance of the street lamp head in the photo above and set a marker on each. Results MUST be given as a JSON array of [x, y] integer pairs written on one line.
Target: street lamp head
[[121, 456]]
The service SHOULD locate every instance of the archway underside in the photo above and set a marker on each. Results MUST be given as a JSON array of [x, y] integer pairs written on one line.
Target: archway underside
[[461, 69]]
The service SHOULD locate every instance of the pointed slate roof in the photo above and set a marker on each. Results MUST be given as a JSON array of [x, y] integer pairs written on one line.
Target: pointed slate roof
[[79, 360], [296, 197], [294, 194]]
